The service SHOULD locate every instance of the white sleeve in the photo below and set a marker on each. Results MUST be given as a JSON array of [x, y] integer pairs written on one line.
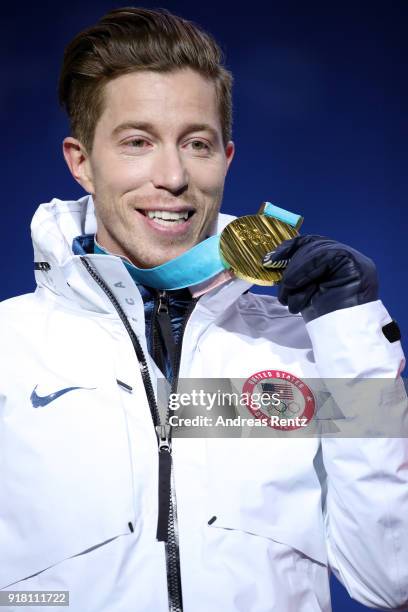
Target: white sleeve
[[366, 509]]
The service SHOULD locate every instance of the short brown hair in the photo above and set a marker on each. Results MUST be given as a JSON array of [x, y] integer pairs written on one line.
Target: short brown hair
[[127, 40]]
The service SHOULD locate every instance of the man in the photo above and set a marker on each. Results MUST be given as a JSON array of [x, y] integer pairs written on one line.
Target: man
[[97, 499]]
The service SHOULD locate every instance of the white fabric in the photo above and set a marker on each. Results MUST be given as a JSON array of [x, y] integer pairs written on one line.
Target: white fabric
[[76, 472]]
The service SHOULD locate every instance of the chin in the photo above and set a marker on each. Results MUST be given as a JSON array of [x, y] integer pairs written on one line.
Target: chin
[[168, 255], [158, 256], [157, 261]]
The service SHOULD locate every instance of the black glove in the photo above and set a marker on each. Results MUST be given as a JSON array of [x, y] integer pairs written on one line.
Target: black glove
[[322, 275]]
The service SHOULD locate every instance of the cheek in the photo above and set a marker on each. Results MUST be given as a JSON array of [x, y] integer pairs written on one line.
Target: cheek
[[208, 178], [116, 177]]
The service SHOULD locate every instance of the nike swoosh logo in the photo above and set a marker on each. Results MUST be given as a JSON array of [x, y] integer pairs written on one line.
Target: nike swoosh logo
[[41, 401]]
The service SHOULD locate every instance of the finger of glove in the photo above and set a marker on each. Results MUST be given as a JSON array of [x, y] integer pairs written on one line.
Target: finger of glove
[[287, 249], [275, 259], [316, 260], [304, 275], [305, 268], [327, 269], [299, 275], [297, 302]]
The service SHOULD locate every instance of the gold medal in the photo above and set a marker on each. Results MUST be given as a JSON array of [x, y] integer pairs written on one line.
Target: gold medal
[[245, 241]]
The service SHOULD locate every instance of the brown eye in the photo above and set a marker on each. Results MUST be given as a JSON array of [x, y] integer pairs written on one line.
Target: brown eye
[[136, 143], [202, 146]]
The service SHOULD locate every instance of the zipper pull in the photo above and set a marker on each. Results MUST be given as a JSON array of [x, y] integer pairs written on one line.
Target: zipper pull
[[163, 437], [164, 323], [164, 482], [163, 302]]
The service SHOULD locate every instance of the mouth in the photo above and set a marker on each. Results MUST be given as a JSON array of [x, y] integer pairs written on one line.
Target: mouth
[[167, 219]]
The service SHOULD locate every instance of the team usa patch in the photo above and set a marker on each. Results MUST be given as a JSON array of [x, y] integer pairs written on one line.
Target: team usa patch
[[279, 399]]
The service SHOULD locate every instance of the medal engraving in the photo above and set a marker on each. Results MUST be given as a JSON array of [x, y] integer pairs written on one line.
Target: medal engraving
[[245, 241], [252, 234]]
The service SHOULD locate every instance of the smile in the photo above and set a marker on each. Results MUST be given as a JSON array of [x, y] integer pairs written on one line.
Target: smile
[[174, 221], [163, 217]]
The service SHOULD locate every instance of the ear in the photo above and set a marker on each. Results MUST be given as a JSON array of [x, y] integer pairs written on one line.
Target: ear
[[78, 163], [229, 153]]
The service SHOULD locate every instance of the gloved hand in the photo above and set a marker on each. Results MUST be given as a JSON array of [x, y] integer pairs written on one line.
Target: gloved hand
[[322, 275]]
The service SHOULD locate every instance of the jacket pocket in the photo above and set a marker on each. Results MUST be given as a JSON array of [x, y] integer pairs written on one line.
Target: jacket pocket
[[66, 480], [268, 488]]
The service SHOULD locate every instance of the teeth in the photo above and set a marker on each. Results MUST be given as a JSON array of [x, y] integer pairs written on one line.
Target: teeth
[[166, 214], [164, 222]]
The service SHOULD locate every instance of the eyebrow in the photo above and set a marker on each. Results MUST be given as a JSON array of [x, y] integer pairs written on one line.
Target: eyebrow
[[149, 127]]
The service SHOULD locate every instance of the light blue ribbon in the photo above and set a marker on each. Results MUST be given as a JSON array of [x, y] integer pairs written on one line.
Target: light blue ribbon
[[196, 265]]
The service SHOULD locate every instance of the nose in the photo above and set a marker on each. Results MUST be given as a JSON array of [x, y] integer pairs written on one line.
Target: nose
[[169, 171]]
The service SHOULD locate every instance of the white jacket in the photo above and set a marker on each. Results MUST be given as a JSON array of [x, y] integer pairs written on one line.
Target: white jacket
[[75, 472]]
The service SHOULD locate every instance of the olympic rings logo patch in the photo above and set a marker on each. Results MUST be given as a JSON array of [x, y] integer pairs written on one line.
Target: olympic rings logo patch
[[287, 402]]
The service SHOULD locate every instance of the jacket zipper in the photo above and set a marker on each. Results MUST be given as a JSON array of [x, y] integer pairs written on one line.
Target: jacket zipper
[[172, 544], [163, 432], [161, 341], [164, 338]]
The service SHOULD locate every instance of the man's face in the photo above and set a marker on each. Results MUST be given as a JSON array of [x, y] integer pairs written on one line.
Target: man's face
[[158, 165]]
